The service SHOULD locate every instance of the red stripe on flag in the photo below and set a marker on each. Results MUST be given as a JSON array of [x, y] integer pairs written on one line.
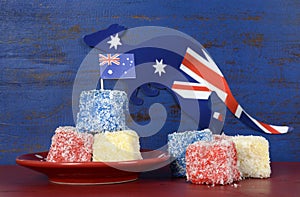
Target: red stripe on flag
[[213, 78], [187, 87], [231, 102], [219, 82], [220, 118], [269, 128], [203, 71]]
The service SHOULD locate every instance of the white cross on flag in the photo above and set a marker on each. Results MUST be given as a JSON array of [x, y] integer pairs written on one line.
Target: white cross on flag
[[210, 78]]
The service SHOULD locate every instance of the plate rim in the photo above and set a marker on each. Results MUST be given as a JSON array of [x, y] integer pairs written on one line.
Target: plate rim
[[96, 164]]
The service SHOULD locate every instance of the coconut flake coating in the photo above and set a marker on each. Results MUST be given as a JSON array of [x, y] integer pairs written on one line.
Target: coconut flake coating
[[102, 110], [69, 145], [213, 162], [116, 146], [253, 156], [177, 144]]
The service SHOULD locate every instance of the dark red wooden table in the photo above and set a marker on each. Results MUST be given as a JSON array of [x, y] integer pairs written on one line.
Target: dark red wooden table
[[20, 181]]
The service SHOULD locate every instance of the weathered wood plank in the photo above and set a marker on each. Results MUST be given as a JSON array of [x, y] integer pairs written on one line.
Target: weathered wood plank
[[256, 47]]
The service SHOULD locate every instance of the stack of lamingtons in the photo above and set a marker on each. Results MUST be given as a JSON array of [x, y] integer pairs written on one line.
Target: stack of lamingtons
[[100, 134], [204, 158]]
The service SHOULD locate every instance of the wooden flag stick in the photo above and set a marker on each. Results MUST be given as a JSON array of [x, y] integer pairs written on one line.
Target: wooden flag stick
[[101, 84]]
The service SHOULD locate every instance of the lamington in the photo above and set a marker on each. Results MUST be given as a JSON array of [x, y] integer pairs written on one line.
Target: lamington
[[102, 110], [212, 162], [116, 146], [69, 145], [177, 144], [253, 156]]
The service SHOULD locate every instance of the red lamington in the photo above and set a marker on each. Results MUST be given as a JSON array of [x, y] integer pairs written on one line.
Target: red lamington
[[68, 145], [213, 162]]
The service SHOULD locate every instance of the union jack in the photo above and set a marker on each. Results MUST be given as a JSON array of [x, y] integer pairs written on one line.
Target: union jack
[[207, 73], [191, 90], [109, 59]]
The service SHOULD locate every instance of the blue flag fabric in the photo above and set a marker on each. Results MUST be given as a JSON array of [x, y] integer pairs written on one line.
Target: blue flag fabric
[[95, 38], [117, 66]]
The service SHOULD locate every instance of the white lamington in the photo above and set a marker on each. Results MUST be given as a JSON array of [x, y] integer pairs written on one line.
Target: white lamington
[[116, 146], [253, 156]]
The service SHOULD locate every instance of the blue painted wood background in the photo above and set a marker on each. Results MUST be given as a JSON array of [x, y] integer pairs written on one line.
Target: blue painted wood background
[[255, 43]]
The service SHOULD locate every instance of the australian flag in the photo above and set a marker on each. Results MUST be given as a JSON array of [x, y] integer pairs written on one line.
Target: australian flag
[[117, 66]]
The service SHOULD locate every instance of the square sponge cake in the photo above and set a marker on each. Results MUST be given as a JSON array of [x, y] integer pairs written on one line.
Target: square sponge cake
[[212, 162], [177, 144], [116, 146], [69, 145], [102, 110], [253, 156]]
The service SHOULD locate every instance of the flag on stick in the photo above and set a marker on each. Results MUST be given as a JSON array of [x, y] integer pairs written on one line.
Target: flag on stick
[[117, 66]]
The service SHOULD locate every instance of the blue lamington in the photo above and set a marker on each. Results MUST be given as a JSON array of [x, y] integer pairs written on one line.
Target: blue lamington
[[102, 110], [177, 144]]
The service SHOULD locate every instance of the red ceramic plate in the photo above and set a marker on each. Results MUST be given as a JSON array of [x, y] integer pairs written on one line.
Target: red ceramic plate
[[87, 173]]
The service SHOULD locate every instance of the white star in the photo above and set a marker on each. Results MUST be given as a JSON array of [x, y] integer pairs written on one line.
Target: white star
[[114, 42], [110, 72], [159, 67]]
